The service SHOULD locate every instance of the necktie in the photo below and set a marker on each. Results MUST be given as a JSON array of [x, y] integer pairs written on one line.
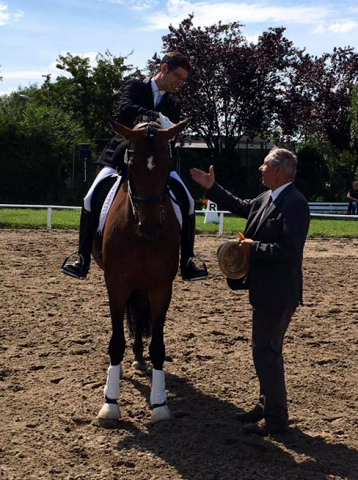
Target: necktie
[[266, 207], [157, 97]]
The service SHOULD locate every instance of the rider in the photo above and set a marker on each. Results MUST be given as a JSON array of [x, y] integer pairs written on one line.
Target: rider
[[151, 98]]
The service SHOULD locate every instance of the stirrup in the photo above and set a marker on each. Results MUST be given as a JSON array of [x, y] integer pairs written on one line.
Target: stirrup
[[69, 256], [203, 275], [196, 255], [77, 269]]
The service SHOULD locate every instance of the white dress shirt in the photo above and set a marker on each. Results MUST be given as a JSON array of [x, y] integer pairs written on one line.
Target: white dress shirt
[[157, 94]]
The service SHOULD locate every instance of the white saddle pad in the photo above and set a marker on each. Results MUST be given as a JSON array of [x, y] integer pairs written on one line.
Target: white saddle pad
[[111, 196]]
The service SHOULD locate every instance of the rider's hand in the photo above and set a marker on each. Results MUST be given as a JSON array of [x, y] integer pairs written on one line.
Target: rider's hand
[[205, 180], [164, 121]]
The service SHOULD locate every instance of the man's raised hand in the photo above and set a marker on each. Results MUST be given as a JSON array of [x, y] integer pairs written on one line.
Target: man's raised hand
[[205, 180]]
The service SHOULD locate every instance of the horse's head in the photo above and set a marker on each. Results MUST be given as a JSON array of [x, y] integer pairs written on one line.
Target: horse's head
[[148, 170]]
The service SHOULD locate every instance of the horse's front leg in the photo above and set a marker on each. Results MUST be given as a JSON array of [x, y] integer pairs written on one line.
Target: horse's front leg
[[159, 302], [109, 414]]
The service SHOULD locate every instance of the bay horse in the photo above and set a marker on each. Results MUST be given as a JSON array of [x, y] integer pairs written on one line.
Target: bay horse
[[140, 256]]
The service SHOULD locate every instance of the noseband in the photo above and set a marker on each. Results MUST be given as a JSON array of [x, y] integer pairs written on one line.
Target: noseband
[[136, 199]]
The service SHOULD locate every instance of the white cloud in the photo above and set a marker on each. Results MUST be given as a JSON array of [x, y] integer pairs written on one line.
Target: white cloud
[[343, 27], [143, 4], [17, 15], [207, 13], [28, 74], [91, 55], [252, 38], [135, 4], [319, 29], [6, 16], [50, 69]]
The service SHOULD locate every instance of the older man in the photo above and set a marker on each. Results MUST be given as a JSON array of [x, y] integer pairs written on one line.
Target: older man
[[275, 234]]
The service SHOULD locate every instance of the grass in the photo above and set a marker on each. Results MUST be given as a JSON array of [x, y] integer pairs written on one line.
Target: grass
[[69, 219], [319, 227], [37, 218]]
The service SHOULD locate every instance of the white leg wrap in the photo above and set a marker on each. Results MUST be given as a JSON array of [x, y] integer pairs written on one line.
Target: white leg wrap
[[158, 395], [112, 390]]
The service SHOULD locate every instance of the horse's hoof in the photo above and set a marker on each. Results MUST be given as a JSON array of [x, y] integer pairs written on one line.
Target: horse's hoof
[[109, 415], [141, 366], [160, 414]]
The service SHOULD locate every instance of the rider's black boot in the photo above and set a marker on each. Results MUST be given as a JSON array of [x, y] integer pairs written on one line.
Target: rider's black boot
[[80, 267], [189, 270]]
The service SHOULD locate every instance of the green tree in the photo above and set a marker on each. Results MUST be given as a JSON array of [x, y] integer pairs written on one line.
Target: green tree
[[88, 92], [354, 127], [36, 144], [342, 170], [320, 94], [324, 171], [236, 87], [312, 170]]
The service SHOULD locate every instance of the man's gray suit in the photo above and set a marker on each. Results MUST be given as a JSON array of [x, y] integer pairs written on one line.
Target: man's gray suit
[[274, 281]]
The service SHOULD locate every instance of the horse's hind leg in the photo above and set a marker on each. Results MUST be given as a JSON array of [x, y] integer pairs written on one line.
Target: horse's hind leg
[[159, 301], [138, 319], [109, 414], [139, 362]]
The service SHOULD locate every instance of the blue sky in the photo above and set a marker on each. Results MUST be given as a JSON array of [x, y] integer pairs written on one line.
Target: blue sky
[[34, 32]]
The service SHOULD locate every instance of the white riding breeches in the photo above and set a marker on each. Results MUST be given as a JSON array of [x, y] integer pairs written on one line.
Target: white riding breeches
[[108, 171], [105, 172], [190, 198]]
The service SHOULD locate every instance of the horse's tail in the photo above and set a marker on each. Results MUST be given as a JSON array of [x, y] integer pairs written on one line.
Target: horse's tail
[[138, 314]]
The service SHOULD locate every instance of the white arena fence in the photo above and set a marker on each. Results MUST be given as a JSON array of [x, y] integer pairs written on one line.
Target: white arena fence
[[317, 209]]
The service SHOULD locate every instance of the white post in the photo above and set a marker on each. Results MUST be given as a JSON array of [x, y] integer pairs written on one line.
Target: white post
[[49, 218], [221, 224]]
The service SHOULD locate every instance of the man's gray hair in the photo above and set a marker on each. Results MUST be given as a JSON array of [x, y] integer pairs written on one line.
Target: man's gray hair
[[286, 158]]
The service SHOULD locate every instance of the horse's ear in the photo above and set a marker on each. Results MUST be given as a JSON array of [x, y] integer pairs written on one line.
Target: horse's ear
[[121, 129], [169, 133]]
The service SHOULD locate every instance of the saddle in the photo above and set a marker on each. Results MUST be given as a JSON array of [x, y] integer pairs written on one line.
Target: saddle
[[108, 189]]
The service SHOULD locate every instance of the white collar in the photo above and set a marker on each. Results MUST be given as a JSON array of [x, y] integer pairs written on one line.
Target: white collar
[[155, 88], [277, 191]]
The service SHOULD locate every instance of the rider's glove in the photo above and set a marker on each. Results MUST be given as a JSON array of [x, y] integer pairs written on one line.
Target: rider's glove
[[164, 121]]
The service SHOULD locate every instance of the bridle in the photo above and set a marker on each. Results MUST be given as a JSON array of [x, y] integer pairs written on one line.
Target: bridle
[[135, 199]]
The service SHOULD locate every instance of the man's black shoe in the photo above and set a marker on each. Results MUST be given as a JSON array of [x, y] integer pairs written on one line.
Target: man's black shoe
[[263, 428], [253, 415], [78, 269], [191, 272]]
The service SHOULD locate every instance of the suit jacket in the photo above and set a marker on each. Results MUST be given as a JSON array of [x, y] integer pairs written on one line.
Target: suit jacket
[[137, 100], [279, 235]]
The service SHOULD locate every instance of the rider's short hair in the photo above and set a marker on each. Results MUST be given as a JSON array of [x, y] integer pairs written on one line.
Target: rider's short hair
[[175, 60]]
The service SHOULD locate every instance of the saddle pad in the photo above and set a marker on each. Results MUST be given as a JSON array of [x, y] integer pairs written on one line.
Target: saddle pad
[[111, 196], [107, 205]]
